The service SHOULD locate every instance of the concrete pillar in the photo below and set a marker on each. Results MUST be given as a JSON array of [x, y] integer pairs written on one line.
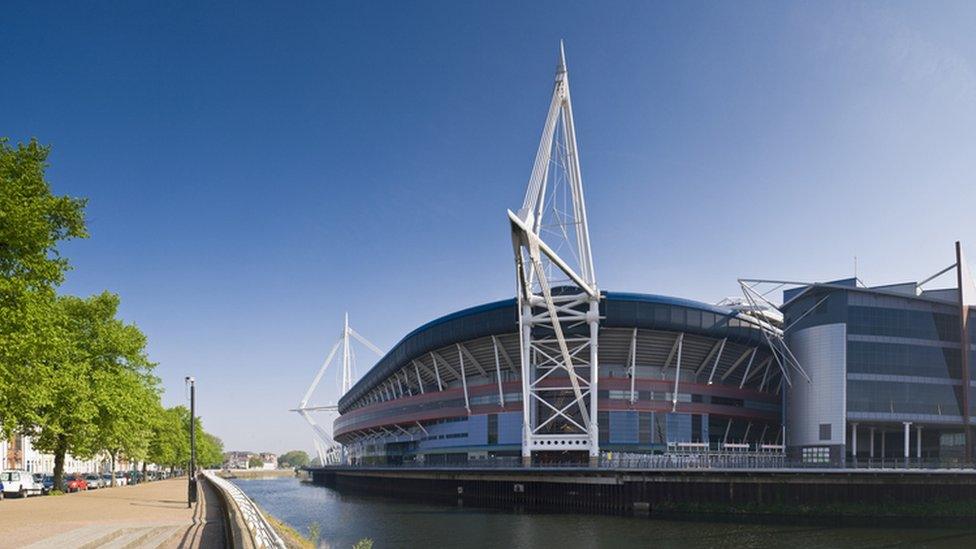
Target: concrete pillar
[[872, 443], [882, 444], [854, 440], [907, 437], [918, 441]]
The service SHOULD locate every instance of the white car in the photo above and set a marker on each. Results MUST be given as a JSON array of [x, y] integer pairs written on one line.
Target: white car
[[20, 483], [120, 479]]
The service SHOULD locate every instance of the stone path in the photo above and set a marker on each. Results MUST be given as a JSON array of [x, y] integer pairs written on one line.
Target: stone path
[[150, 515]]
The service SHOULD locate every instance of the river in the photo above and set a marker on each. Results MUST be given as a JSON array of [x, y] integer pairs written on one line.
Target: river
[[343, 519]]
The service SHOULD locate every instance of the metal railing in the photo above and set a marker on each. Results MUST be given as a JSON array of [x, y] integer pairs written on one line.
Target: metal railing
[[676, 461], [260, 531]]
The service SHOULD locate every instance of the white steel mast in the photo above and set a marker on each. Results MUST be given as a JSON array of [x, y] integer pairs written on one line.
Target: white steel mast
[[326, 448], [558, 298]]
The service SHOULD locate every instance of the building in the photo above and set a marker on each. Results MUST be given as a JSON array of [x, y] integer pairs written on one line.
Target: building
[[450, 391], [268, 460], [891, 368], [17, 452], [237, 460]]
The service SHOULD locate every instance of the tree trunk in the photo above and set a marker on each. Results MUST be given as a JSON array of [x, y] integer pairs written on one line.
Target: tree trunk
[[60, 450], [113, 469], [144, 470]]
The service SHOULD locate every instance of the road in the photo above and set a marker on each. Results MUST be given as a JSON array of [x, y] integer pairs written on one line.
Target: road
[[150, 515]]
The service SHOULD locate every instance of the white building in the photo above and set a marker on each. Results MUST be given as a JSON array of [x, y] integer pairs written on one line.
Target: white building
[[17, 452]]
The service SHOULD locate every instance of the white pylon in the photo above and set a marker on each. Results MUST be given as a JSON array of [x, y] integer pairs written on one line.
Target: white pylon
[[558, 298], [328, 450]]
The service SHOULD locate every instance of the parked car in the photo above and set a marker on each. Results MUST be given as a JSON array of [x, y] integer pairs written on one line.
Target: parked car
[[47, 484], [94, 481], [1, 490], [75, 483], [20, 483], [120, 479]]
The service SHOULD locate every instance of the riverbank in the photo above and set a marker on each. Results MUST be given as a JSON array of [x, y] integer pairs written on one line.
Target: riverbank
[[153, 514], [255, 473]]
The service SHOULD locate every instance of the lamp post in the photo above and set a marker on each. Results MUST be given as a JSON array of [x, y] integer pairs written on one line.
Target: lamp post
[[191, 496]]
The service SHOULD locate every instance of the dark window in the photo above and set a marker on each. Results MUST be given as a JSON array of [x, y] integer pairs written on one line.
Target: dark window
[[492, 428], [645, 428], [824, 431], [603, 419]]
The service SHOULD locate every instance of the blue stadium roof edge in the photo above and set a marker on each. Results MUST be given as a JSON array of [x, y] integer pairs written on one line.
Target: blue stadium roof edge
[[499, 317]]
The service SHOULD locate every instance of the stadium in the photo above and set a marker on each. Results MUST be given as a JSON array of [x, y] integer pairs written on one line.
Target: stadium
[[674, 373], [835, 373]]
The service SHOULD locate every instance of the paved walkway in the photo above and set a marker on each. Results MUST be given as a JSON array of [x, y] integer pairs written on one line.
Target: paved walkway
[[148, 515]]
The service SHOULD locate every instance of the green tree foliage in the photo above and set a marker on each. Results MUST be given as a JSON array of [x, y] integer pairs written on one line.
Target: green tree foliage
[[169, 443], [72, 375], [294, 458], [210, 451], [32, 223], [100, 390], [125, 402], [255, 462]]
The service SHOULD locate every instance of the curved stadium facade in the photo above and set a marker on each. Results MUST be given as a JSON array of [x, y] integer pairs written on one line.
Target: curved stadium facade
[[674, 375]]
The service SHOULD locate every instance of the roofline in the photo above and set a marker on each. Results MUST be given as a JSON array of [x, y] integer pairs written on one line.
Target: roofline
[[877, 290], [610, 296]]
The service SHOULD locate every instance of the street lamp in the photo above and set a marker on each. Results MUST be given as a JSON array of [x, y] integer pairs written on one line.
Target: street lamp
[[191, 496]]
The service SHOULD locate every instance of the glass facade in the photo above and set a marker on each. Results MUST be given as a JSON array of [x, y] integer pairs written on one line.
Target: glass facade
[[903, 361], [899, 397], [868, 357], [904, 364], [907, 323]]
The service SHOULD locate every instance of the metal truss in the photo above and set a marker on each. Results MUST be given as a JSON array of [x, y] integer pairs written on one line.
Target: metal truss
[[328, 450], [768, 318], [558, 297]]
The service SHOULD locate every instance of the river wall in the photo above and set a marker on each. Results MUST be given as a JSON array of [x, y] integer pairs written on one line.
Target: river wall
[[818, 492]]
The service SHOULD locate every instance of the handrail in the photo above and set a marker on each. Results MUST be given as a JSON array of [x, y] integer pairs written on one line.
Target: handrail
[[260, 531], [682, 461]]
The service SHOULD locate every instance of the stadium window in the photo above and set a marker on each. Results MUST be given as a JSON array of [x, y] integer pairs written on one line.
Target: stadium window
[[816, 455], [824, 431]]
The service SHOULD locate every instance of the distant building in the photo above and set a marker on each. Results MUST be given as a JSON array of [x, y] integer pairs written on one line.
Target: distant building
[[270, 460], [242, 460], [237, 460]]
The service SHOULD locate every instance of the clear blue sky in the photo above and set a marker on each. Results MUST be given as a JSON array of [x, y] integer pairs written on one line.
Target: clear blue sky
[[254, 171]]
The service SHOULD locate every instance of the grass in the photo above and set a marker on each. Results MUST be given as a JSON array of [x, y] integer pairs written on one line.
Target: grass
[[292, 538]]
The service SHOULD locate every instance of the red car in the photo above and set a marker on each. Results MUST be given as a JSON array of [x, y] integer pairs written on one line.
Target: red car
[[75, 483]]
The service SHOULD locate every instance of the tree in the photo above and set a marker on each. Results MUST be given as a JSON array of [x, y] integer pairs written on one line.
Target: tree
[[255, 462], [32, 220], [104, 359], [294, 458], [169, 443], [32, 223], [124, 400], [210, 450]]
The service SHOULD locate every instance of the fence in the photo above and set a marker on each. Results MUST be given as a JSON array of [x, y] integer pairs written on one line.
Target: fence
[[259, 532]]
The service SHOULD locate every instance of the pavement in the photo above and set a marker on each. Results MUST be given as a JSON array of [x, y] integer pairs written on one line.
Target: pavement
[[148, 515]]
